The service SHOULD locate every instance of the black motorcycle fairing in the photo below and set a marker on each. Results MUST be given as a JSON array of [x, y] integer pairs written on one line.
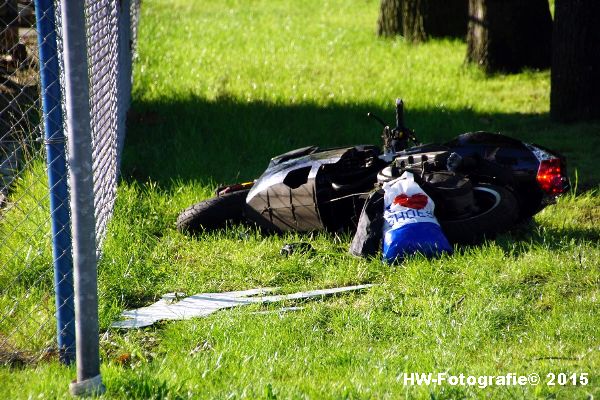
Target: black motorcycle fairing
[[484, 138], [504, 151], [349, 180], [297, 194], [506, 161], [424, 148], [285, 196], [303, 151]]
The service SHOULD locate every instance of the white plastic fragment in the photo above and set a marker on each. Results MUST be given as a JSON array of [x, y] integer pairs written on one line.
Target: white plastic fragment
[[204, 304]]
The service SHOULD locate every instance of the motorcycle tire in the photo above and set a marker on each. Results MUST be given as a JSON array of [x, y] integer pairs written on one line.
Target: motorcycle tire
[[497, 212], [213, 213]]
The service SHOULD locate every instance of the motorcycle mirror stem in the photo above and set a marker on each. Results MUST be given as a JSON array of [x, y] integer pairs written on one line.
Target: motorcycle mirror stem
[[387, 136], [402, 131], [396, 139], [399, 114], [376, 118]]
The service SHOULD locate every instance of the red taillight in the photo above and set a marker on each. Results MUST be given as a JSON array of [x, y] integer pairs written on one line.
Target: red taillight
[[551, 178]]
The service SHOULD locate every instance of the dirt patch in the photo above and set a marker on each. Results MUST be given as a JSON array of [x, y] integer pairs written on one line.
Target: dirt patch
[[20, 106], [12, 357]]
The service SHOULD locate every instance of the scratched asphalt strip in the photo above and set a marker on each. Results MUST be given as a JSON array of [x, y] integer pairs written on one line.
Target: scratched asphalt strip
[[204, 304]]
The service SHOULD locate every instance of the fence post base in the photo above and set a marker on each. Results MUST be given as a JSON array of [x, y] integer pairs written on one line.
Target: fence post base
[[88, 387]]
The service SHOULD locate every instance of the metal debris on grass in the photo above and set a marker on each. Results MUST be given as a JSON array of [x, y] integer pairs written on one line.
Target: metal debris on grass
[[169, 307]]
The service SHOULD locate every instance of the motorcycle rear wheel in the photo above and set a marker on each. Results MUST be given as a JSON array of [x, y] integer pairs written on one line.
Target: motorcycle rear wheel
[[213, 213], [497, 210]]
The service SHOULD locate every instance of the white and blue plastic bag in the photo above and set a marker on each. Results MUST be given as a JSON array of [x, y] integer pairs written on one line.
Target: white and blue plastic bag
[[410, 225]]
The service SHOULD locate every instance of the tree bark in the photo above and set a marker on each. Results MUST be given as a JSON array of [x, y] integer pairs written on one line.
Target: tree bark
[[575, 78], [417, 20], [509, 35], [389, 22], [413, 20]]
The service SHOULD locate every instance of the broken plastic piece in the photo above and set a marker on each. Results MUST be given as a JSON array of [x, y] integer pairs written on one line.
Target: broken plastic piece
[[204, 304]]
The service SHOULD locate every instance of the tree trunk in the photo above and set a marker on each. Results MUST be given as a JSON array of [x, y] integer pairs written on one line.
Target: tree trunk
[[509, 35], [417, 20], [413, 20], [389, 22], [575, 81]]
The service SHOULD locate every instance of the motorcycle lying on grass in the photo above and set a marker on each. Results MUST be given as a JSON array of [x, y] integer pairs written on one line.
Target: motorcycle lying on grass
[[482, 183]]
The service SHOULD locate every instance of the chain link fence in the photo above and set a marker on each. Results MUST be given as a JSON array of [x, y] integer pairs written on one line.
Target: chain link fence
[[35, 167], [27, 324], [109, 99]]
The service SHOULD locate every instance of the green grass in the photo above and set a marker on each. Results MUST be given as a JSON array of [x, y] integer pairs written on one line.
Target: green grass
[[220, 87]]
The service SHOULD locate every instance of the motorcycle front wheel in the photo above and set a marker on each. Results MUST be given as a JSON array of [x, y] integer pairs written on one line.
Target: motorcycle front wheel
[[496, 210], [213, 213]]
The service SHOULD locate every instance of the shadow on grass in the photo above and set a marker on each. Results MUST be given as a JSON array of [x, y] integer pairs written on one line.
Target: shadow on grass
[[225, 140], [533, 234]]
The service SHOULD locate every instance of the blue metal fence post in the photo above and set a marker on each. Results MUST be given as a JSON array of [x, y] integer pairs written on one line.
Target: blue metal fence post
[[57, 178]]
